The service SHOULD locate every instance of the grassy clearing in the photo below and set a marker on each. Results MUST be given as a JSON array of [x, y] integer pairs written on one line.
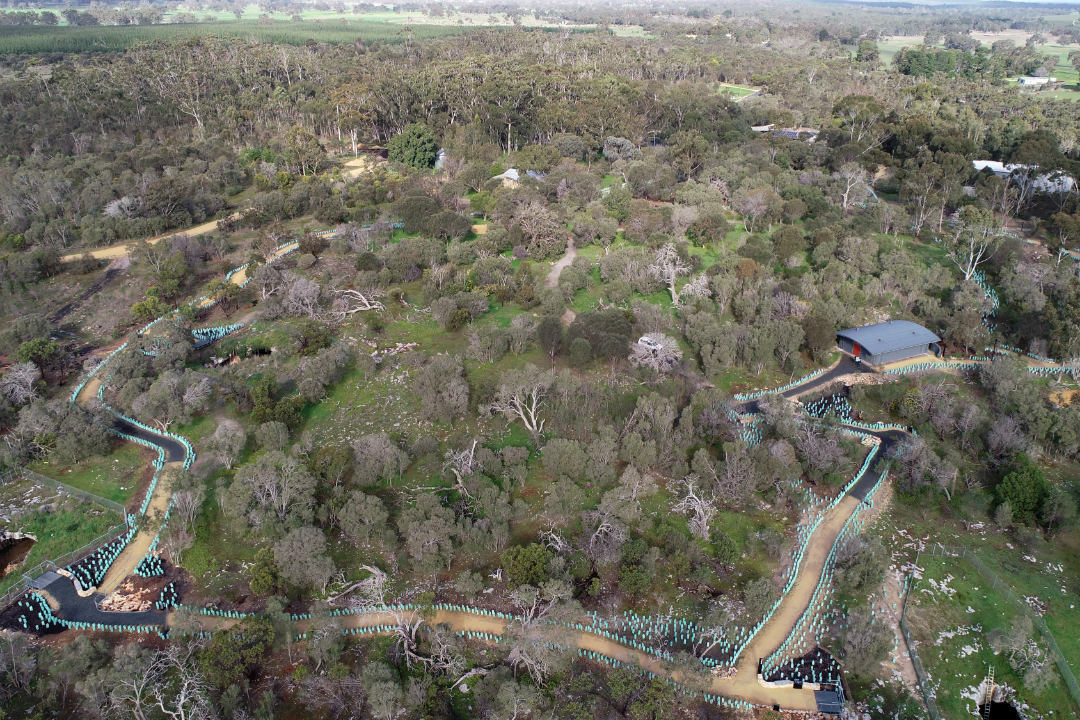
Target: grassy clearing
[[889, 46], [737, 91], [953, 612], [60, 523], [1034, 568], [114, 476]]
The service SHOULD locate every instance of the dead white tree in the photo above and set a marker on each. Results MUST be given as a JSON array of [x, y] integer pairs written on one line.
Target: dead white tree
[[607, 538], [406, 633], [853, 184], [975, 238], [634, 484], [19, 383], [668, 267], [682, 217], [698, 286], [555, 541], [372, 590], [475, 672], [197, 395], [697, 503], [175, 685], [270, 279], [739, 476], [462, 463], [819, 447], [187, 503], [301, 297], [520, 396], [444, 653], [350, 302]]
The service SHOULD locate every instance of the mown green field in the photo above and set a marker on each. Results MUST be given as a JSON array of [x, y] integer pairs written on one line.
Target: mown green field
[[737, 91]]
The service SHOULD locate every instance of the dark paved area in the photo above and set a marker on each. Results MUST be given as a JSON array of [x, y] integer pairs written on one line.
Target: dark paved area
[[174, 451], [890, 440], [846, 366], [73, 607]]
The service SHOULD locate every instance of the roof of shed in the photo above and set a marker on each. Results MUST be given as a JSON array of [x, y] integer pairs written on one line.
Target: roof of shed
[[891, 335]]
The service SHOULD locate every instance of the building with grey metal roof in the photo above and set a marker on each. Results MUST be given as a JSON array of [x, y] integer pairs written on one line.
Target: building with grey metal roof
[[888, 342]]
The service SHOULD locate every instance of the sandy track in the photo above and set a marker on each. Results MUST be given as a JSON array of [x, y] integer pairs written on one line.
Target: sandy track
[[361, 165], [745, 683], [552, 279], [240, 277], [745, 687], [115, 251], [136, 550]]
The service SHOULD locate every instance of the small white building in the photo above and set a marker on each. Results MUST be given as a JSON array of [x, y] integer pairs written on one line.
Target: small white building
[[510, 179], [1029, 81]]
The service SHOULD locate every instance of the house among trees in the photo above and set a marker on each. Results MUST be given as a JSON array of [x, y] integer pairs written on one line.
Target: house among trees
[[512, 177], [800, 133], [1056, 182], [888, 342]]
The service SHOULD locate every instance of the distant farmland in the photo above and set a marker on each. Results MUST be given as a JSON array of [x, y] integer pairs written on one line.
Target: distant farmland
[[111, 38]]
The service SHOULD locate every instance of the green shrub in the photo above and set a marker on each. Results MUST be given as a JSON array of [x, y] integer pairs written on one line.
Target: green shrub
[[414, 146], [580, 352], [526, 564], [1025, 488]]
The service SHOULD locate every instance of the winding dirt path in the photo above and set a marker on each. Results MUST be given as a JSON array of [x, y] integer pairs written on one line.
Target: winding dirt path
[[744, 685], [745, 682], [552, 279]]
